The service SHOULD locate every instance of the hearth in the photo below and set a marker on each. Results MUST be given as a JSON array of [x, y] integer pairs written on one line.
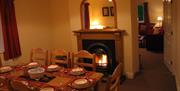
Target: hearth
[[106, 44], [105, 54]]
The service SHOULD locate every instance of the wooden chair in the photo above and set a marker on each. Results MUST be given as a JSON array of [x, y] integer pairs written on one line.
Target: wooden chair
[[5, 84], [21, 86], [39, 55], [82, 58], [60, 57], [114, 79]]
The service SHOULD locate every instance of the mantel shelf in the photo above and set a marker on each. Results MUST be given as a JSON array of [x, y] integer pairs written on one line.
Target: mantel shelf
[[99, 31]]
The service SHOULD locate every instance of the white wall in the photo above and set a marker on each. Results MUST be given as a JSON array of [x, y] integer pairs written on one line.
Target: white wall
[[60, 29], [34, 27], [177, 13], [75, 20], [127, 20], [155, 9], [42, 23], [174, 54]]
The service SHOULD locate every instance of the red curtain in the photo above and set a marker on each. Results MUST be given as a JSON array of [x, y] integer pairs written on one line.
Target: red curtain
[[86, 16], [9, 29]]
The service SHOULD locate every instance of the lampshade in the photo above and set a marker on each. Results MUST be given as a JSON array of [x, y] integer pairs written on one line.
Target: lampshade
[[159, 18], [167, 1]]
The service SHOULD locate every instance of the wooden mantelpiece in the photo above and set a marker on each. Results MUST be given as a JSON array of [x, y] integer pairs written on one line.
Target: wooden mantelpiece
[[98, 34]]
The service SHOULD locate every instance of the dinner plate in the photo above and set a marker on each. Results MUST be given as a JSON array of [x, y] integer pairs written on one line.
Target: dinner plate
[[32, 65], [52, 68], [77, 71], [5, 69], [81, 83], [47, 89]]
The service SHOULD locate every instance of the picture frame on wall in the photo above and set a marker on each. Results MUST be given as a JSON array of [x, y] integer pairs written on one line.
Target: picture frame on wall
[[112, 10], [105, 11], [140, 13]]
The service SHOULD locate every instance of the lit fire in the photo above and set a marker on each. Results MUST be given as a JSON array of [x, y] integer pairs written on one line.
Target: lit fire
[[101, 60]]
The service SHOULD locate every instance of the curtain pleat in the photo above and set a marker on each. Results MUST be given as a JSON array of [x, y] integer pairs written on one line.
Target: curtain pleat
[[9, 29]]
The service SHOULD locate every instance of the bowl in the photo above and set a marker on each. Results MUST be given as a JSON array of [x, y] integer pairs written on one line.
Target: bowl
[[36, 73], [47, 89]]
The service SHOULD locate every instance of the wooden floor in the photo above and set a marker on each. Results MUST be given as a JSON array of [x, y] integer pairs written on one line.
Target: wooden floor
[[154, 75]]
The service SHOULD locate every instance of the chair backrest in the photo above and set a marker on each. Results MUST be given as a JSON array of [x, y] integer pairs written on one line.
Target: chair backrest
[[60, 57], [114, 79], [21, 86], [39, 55], [82, 58]]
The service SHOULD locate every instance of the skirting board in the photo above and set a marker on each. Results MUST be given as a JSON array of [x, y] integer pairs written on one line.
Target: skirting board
[[130, 75], [169, 67]]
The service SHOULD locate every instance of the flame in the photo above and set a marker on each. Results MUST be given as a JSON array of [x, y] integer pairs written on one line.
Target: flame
[[102, 60]]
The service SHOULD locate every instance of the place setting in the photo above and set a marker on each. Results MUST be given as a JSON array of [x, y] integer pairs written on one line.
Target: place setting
[[35, 72], [77, 71], [81, 83], [5, 69]]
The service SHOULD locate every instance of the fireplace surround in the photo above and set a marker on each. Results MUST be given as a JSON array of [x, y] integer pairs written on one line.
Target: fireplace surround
[[106, 44], [105, 53]]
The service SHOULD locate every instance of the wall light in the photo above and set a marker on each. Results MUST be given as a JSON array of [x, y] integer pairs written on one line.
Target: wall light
[[159, 18], [159, 21], [169, 1], [110, 0]]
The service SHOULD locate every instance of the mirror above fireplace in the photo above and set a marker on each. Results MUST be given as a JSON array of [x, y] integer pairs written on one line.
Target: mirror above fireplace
[[98, 14]]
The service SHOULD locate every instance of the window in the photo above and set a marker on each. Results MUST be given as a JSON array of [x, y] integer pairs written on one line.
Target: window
[[1, 38]]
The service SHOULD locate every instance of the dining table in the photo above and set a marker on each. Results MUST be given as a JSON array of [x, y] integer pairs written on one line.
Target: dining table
[[60, 80]]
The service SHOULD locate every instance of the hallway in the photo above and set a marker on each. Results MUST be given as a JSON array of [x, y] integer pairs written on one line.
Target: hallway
[[154, 75]]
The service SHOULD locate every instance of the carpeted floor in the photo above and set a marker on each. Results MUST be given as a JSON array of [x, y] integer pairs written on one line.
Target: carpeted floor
[[154, 75]]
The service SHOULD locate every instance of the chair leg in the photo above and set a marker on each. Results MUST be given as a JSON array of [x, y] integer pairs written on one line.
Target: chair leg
[[118, 86]]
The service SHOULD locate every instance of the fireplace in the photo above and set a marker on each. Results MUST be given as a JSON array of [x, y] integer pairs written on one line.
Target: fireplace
[[101, 60], [105, 53], [106, 44]]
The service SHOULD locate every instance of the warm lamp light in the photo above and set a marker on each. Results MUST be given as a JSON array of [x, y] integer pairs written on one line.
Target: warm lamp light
[[159, 18], [159, 21], [110, 0], [169, 1], [96, 25]]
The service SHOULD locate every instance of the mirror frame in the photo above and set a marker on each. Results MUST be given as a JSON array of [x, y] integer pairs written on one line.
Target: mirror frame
[[81, 14]]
